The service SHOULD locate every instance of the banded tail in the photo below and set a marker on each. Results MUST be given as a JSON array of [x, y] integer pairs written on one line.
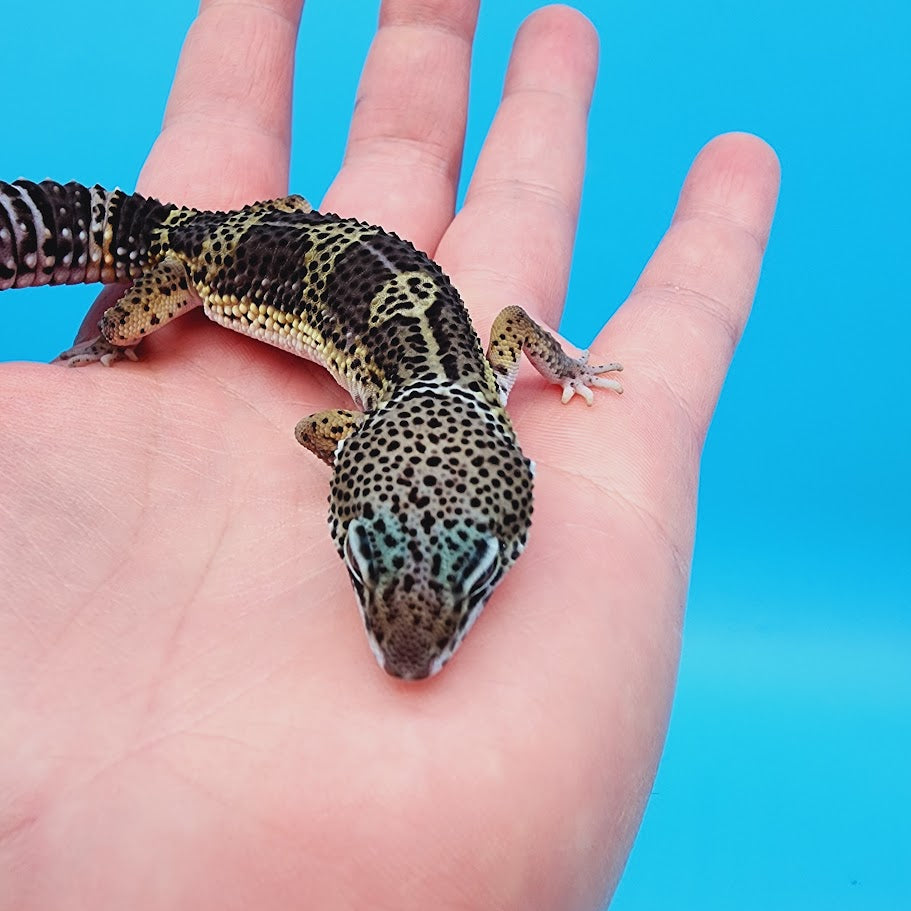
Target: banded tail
[[67, 234]]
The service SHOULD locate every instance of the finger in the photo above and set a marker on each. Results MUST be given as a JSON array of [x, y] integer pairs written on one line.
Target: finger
[[226, 136], [512, 242], [401, 166], [227, 128], [680, 326]]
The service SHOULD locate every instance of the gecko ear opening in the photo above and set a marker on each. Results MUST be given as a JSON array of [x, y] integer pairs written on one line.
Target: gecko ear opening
[[483, 569], [359, 552]]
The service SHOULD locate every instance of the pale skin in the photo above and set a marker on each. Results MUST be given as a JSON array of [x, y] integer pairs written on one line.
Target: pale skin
[[189, 712]]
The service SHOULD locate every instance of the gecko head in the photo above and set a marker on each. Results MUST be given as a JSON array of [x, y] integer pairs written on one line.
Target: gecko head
[[431, 502]]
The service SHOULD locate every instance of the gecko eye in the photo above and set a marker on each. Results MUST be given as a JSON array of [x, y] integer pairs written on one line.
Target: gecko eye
[[358, 552], [483, 569]]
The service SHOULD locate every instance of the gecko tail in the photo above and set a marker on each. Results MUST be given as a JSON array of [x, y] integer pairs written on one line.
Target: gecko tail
[[67, 234]]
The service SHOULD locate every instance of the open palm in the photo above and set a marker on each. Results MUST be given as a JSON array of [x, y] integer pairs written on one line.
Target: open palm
[[189, 712]]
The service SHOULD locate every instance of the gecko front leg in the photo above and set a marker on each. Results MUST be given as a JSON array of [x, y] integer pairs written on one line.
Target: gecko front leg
[[322, 432], [514, 331]]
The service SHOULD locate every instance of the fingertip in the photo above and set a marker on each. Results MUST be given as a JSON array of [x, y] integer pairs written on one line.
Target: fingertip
[[747, 144], [735, 176], [567, 20], [569, 42]]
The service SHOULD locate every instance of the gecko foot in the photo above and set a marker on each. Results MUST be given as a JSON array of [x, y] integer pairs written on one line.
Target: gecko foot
[[585, 376], [93, 350]]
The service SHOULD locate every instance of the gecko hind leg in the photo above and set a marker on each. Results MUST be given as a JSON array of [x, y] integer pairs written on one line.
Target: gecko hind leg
[[93, 350], [154, 299]]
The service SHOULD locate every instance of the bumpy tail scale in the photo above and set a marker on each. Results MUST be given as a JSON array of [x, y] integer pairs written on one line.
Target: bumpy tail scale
[[67, 234]]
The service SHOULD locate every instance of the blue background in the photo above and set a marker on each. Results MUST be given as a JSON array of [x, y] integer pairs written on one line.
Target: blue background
[[785, 782]]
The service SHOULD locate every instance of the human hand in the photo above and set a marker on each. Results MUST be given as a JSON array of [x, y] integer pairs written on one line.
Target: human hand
[[190, 713]]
